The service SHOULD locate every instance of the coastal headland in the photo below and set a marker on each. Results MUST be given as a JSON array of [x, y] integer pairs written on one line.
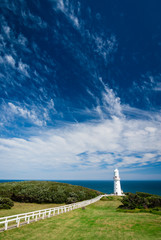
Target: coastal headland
[[100, 220]]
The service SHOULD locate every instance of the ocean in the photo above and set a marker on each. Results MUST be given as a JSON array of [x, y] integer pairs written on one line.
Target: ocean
[[153, 187]]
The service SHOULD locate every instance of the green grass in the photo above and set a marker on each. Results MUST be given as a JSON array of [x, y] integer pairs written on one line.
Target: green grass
[[137, 210], [26, 207], [98, 221]]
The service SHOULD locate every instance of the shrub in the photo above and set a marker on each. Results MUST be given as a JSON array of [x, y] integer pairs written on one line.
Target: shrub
[[6, 190], [140, 201], [46, 192], [6, 203], [73, 197], [142, 194]]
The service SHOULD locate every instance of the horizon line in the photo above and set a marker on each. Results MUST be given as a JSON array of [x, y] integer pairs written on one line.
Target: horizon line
[[78, 179]]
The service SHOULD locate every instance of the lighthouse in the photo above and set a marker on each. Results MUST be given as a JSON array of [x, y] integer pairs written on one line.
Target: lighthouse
[[117, 186]]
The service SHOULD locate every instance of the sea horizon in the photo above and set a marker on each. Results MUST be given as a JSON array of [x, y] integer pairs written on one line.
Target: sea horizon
[[78, 180]]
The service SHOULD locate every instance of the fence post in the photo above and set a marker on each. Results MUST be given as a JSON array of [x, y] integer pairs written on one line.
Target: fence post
[[49, 213], [6, 225], [18, 222], [28, 220]]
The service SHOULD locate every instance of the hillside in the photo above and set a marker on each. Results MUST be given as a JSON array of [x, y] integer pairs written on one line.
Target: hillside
[[97, 221], [45, 192]]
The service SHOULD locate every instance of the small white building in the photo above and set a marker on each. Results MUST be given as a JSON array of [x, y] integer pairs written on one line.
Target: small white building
[[117, 185]]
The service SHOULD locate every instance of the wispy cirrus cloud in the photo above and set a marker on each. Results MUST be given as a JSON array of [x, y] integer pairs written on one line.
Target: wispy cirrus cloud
[[21, 9], [71, 11], [18, 69], [145, 91], [101, 43], [33, 21], [27, 114], [23, 114], [10, 60], [57, 69], [157, 87], [23, 68]]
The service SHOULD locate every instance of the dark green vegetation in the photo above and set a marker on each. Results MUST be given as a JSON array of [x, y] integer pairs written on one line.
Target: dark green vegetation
[[141, 201], [6, 203], [99, 221], [45, 192]]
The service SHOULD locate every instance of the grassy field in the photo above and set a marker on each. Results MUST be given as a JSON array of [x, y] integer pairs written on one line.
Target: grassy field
[[98, 221], [25, 207]]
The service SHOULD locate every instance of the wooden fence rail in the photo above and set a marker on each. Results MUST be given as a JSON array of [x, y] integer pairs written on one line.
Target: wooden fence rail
[[26, 218]]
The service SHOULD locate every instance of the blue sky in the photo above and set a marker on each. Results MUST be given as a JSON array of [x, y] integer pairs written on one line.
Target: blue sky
[[80, 89]]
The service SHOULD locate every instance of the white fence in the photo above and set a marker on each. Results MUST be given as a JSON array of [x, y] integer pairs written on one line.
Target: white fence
[[26, 218]]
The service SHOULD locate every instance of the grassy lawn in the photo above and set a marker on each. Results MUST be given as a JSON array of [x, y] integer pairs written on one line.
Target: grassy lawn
[[25, 207], [98, 221]]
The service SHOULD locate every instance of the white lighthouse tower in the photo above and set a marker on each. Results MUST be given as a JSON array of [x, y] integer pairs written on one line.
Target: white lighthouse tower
[[117, 186]]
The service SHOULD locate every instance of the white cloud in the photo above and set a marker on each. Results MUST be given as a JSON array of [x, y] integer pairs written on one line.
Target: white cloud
[[110, 101], [87, 145], [70, 11], [151, 129], [8, 46], [60, 5], [157, 87], [7, 30], [102, 44], [23, 68], [105, 46], [10, 60], [25, 113], [22, 40]]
